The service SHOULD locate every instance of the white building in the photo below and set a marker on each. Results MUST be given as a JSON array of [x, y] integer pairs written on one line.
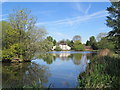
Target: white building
[[63, 46]]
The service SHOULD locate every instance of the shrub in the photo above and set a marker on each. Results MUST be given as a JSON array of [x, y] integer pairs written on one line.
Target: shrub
[[58, 48]]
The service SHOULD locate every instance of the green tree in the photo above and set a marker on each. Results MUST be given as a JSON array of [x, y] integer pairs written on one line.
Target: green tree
[[106, 43], [92, 42], [113, 21], [21, 38], [62, 41], [87, 43], [50, 38], [78, 46], [54, 42], [58, 48]]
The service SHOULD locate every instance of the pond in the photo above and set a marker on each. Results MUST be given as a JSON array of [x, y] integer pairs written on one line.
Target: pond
[[57, 69]]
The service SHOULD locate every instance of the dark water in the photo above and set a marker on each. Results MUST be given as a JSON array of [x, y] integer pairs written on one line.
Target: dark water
[[54, 69]]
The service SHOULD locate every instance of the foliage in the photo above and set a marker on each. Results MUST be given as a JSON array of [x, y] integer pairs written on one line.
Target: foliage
[[28, 75], [49, 38], [103, 72], [21, 38], [62, 41], [113, 21], [92, 42], [45, 45], [70, 43], [78, 46], [54, 42], [76, 58], [106, 43], [57, 48]]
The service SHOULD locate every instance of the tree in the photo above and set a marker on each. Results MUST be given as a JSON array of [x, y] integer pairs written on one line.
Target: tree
[[113, 21], [77, 37], [54, 42], [21, 38], [70, 43], [50, 38], [78, 46], [92, 42], [105, 43], [87, 43], [9, 35], [62, 41], [58, 48]]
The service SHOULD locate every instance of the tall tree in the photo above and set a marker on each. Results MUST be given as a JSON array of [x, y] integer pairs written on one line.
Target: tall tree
[[113, 21], [92, 42], [78, 46], [21, 37], [105, 43], [50, 38]]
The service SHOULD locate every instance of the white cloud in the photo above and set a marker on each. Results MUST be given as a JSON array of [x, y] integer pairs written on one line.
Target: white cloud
[[60, 35], [81, 8], [87, 10], [78, 19]]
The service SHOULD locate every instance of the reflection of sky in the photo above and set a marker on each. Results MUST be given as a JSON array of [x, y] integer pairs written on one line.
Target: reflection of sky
[[71, 52], [64, 73]]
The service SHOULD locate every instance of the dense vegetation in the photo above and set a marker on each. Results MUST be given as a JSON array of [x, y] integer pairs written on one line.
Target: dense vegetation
[[103, 71], [21, 39]]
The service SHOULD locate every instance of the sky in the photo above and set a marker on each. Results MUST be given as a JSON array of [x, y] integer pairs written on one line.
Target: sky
[[63, 20]]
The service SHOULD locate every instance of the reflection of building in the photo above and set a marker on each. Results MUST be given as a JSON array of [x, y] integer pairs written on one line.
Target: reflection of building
[[88, 48], [64, 54], [63, 46]]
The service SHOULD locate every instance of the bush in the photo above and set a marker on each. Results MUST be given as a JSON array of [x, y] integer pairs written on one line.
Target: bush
[[78, 46], [102, 72], [58, 48]]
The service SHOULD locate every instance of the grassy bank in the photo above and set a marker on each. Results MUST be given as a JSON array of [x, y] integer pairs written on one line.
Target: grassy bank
[[102, 72]]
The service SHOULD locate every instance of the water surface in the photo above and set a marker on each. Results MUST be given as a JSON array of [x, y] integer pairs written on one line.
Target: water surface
[[57, 69]]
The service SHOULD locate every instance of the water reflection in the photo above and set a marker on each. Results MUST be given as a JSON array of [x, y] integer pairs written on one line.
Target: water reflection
[[58, 69], [23, 75]]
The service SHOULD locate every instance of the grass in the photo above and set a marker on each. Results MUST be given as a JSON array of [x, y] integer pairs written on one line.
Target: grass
[[103, 72]]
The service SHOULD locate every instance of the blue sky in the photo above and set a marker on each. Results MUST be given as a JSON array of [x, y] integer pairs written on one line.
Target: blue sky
[[65, 20]]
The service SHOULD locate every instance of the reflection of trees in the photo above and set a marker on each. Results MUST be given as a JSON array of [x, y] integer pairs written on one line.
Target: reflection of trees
[[91, 55], [23, 74], [47, 57], [76, 58]]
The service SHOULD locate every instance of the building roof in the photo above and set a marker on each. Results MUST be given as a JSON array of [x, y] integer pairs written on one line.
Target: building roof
[[62, 43]]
